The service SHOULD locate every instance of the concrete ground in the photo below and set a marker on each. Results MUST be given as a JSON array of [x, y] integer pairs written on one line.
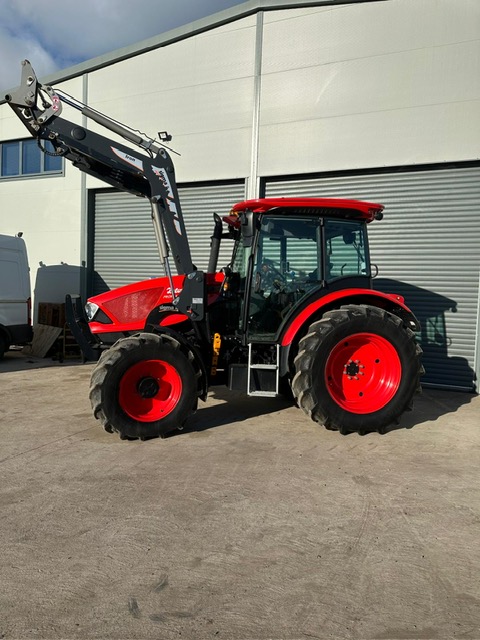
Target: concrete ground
[[252, 523]]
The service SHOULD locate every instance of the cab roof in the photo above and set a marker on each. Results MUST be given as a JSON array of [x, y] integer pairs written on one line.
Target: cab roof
[[315, 206]]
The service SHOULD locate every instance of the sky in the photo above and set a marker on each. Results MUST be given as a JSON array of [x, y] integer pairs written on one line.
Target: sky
[[55, 35]]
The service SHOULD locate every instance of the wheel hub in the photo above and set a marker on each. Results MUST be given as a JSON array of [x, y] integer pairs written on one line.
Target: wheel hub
[[150, 390], [352, 368], [148, 387], [363, 373]]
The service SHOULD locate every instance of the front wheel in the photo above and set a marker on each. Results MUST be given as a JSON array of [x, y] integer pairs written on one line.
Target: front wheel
[[357, 369], [144, 386]]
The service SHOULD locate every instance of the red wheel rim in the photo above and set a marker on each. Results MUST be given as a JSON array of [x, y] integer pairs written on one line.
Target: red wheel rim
[[363, 373], [150, 390]]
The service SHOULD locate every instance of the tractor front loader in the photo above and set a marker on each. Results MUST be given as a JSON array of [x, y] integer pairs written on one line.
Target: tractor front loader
[[294, 310]]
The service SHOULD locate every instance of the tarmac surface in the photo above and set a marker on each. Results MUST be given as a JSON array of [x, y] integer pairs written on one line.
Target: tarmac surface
[[252, 523]]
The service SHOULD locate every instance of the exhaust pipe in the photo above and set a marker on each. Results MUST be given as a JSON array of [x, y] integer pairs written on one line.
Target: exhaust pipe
[[215, 244]]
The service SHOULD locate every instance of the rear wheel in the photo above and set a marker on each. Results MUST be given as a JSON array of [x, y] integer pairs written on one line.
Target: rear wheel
[[144, 386], [357, 369]]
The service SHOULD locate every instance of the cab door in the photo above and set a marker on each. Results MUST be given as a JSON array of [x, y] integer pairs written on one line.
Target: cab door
[[288, 263]]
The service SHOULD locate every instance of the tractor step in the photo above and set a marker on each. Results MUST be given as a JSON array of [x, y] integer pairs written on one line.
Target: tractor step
[[266, 367], [263, 379]]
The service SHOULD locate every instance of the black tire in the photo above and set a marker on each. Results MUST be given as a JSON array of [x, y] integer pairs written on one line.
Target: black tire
[[144, 386], [369, 390], [3, 346]]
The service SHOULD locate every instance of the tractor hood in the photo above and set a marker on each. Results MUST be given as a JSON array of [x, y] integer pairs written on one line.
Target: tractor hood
[[125, 310]]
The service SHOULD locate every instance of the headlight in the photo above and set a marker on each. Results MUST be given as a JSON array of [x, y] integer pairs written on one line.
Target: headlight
[[90, 310]]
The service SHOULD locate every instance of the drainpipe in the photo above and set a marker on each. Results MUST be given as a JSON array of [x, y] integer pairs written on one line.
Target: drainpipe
[[253, 187]]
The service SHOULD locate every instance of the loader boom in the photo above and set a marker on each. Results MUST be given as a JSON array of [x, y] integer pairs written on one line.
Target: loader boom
[[149, 174]]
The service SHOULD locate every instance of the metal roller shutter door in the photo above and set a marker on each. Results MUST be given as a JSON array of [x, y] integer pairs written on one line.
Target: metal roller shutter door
[[124, 248], [427, 249]]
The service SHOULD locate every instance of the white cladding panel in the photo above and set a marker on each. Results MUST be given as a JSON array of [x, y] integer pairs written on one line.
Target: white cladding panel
[[317, 36], [199, 89], [370, 84], [46, 209]]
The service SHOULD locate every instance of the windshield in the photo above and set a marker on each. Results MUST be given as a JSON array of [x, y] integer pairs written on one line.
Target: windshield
[[240, 259]]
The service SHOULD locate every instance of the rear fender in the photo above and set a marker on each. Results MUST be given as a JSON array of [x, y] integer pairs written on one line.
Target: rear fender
[[312, 312]]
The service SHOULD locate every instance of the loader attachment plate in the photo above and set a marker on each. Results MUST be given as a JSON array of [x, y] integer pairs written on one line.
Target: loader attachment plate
[[78, 324]]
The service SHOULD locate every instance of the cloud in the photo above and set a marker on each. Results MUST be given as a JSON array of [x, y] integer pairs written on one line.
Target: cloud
[[58, 35], [13, 49]]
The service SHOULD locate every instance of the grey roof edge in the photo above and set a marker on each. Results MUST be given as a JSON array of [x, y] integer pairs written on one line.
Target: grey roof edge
[[185, 31]]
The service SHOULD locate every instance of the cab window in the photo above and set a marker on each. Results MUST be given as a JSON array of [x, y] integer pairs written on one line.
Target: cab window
[[346, 249]]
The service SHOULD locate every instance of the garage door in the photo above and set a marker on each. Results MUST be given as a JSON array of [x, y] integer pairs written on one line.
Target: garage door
[[122, 238], [428, 249]]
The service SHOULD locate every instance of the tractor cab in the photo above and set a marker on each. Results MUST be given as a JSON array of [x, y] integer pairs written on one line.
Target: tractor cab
[[291, 250]]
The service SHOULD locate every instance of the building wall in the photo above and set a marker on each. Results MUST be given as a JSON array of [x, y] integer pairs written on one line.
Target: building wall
[[46, 209], [370, 85], [200, 90]]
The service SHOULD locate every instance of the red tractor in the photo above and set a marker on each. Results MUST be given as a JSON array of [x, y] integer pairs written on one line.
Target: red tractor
[[293, 312]]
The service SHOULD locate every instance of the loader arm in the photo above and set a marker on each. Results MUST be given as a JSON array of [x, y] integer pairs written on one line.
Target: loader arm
[[149, 173]]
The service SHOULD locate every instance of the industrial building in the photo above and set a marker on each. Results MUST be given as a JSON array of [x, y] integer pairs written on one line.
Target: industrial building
[[375, 100]]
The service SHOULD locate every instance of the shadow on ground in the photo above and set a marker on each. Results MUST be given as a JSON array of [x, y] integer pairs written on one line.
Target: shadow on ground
[[431, 405], [236, 407], [15, 360], [231, 407]]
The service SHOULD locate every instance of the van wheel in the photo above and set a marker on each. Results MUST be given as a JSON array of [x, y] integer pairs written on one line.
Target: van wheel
[[3, 346]]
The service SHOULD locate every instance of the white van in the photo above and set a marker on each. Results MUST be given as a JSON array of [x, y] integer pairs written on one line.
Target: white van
[[15, 296]]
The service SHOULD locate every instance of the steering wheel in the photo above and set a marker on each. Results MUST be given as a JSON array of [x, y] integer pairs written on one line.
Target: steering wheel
[[272, 275], [271, 266]]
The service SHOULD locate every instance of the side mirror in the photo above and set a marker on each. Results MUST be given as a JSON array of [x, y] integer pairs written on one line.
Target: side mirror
[[348, 237], [248, 228]]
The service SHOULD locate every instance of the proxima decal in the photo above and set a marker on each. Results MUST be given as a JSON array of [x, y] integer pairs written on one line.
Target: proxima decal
[[162, 174]]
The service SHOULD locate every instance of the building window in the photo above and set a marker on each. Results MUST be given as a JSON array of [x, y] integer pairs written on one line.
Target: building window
[[25, 158]]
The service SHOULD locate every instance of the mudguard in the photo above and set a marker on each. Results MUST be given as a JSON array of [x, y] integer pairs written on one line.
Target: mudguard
[[295, 329]]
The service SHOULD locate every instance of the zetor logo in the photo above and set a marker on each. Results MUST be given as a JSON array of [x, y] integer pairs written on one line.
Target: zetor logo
[[168, 292]]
